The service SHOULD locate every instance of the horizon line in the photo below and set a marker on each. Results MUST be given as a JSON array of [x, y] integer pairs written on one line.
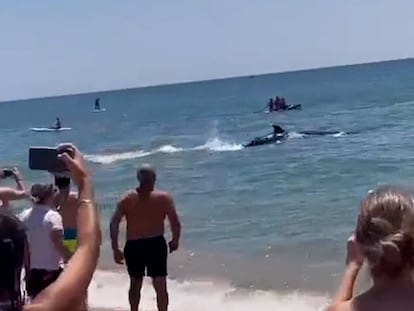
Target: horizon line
[[209, 80]]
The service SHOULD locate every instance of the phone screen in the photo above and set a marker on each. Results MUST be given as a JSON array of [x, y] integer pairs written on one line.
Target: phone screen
[[46, 159], [7, 172]]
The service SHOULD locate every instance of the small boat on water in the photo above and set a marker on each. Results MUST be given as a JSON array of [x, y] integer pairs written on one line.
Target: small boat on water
[[288, 107]]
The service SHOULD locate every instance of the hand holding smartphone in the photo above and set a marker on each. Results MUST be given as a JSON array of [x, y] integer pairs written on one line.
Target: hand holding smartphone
[[47, 159], [7, 172]]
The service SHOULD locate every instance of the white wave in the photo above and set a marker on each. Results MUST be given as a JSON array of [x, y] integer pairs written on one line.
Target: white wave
[[406, 103], [339, 134], [214, 144], [109, 290], [169, 149], [295, 135], [110, 158]]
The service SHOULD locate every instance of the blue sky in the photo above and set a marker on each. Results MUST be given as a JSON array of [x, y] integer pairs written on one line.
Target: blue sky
[[51, 47]]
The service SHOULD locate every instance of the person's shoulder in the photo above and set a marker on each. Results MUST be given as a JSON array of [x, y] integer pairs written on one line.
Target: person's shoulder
[[161, 194], [127, 199], [129, 194], [340, 306], [54, 219], [34, 307], [52, 215], [73, 196]]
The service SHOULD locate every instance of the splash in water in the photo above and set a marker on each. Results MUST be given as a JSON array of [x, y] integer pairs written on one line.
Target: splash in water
[[214, 144]]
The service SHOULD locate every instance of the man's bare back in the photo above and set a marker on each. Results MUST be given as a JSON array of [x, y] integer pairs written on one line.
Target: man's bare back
[[146, 250], [69, 211], [145, 214], [68, 205]]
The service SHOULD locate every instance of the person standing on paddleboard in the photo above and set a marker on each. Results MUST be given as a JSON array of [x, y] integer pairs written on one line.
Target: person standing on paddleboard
[[58, 124], [97, 104]]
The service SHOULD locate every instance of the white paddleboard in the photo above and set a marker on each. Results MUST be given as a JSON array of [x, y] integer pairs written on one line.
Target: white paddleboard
[[99, 110], [49, 129]]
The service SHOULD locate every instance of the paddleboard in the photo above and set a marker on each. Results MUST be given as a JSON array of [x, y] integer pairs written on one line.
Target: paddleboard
[[99, 110], [49, 129], [288, 107]]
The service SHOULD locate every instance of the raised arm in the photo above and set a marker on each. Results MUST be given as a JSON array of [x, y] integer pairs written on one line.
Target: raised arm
[[175, 223], [9, 194], [70, 288], [19, 180], [345, 290], [354, 262]]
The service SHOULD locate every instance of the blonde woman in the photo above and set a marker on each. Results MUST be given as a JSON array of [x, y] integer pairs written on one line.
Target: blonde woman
[[384, 239]]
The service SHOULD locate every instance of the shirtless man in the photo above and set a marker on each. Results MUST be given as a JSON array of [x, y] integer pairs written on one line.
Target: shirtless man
[[145, 210], [67, 205]]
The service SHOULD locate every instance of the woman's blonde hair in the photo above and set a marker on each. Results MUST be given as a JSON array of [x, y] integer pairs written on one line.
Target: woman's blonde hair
[[385, 231]]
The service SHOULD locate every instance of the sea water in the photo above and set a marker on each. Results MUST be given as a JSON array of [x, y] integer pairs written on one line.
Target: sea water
[[264, 228]]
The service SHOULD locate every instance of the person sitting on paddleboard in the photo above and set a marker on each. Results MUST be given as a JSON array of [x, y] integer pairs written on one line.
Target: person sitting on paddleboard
[[283, 103], [277, 130], [277, 103], [270, 104], [58, 124]]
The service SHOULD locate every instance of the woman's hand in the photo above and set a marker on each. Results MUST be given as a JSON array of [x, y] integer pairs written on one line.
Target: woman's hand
[[16, 174], [354, 257], [74, 161]]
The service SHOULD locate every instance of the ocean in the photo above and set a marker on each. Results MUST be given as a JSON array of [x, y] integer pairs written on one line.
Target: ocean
[[263, 227]]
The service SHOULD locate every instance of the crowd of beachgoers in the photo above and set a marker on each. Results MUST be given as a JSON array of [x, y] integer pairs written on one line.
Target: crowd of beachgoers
[[50, 250]]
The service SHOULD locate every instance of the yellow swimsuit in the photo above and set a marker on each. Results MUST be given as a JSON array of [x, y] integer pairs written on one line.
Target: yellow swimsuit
[[70, 239]]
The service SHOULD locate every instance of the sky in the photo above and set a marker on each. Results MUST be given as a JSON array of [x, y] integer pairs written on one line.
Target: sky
[[50, 47]]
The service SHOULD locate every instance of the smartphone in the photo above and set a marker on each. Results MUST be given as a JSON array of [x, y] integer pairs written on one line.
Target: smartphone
[[62, 182], [7, 172], [46, 159]]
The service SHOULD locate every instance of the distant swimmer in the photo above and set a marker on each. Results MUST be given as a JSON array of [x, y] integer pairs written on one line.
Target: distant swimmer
[[97, 104], [58, 124], [146, 250]]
